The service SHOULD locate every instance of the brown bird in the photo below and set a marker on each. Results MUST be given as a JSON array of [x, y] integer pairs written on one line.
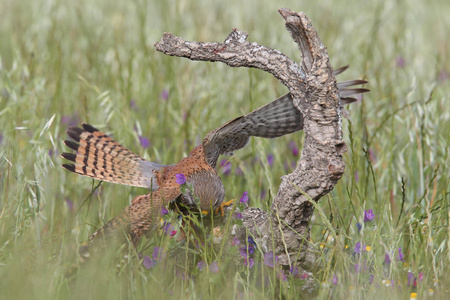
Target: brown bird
[[100, 157]]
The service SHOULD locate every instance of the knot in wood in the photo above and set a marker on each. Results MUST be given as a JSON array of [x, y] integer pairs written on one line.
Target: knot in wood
[[341, 146], [336, 169]]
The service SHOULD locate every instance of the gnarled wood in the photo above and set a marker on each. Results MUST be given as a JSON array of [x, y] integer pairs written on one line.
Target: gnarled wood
[[315, 93]]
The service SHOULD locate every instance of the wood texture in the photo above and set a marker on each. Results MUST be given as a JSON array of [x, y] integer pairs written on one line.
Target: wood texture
[[315, 94]]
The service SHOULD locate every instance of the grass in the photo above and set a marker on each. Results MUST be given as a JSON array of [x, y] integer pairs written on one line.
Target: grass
[[67, 62]]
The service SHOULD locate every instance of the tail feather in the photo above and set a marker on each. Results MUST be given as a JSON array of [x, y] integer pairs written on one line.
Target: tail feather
[[346, 93], [100, 157]]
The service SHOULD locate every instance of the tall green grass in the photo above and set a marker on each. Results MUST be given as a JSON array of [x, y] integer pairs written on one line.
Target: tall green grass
[[67, 62]]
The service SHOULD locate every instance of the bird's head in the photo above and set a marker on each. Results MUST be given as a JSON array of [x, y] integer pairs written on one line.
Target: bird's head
[[204, 190]]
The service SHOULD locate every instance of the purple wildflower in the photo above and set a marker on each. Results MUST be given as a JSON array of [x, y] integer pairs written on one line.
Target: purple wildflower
[[358, 247], [443, 75], [244, 198], [167, 227], [158, 253], [306, 274], [400, 255], [239, 171], [357, 268], [235, 241], [411, 278], [149, 262], [372, 155], [164, 94], [281, 275], [270, 159], [164, 211], [51, 152], [270, 259], [238, 215], [294, 148], [173, 233], [145, 143], [244, 250], [400, 62], [70, 120], [214, 267], [293, 164], [368, 215], [69, 204], [371, 278], [294, 271], [263, 193], [249, 262], [201, 265], [133, 104], [334, 280], [226, 166], [180, 178], [359, 226], [387, 259]]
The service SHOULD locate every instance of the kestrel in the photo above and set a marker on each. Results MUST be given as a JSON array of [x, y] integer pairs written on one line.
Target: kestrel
[[100, 157]]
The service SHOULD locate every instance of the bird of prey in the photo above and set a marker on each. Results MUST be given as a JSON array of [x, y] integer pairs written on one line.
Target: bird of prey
[[99, 156]]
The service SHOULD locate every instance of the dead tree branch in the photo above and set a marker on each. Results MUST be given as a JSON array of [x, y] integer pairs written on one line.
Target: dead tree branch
[[315, 93]]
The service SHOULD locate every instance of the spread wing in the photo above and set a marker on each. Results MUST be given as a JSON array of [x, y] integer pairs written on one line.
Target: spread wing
[[100, 157], [278, 118], [133, 221]]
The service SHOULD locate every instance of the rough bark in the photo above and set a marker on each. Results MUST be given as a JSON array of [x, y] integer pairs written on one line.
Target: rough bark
[[284, 230]]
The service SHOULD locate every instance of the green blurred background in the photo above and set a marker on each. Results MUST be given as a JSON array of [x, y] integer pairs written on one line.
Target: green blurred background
[[67, 62]]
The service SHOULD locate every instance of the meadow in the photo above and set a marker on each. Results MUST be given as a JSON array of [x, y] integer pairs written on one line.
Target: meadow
[[66, 62]]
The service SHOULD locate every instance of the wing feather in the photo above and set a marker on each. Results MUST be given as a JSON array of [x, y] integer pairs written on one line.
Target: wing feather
[[278, 118]]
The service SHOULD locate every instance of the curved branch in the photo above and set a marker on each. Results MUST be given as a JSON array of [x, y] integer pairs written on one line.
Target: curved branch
[[235, 51], [315, 94]]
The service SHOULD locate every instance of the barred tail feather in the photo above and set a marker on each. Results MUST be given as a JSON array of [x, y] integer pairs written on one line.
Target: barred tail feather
[[100, 157]]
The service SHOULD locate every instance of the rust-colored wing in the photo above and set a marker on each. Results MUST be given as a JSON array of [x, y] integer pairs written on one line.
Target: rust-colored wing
[[100, 157], [134, 220]]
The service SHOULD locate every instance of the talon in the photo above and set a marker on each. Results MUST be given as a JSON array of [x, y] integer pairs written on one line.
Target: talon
[[222, 205]]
